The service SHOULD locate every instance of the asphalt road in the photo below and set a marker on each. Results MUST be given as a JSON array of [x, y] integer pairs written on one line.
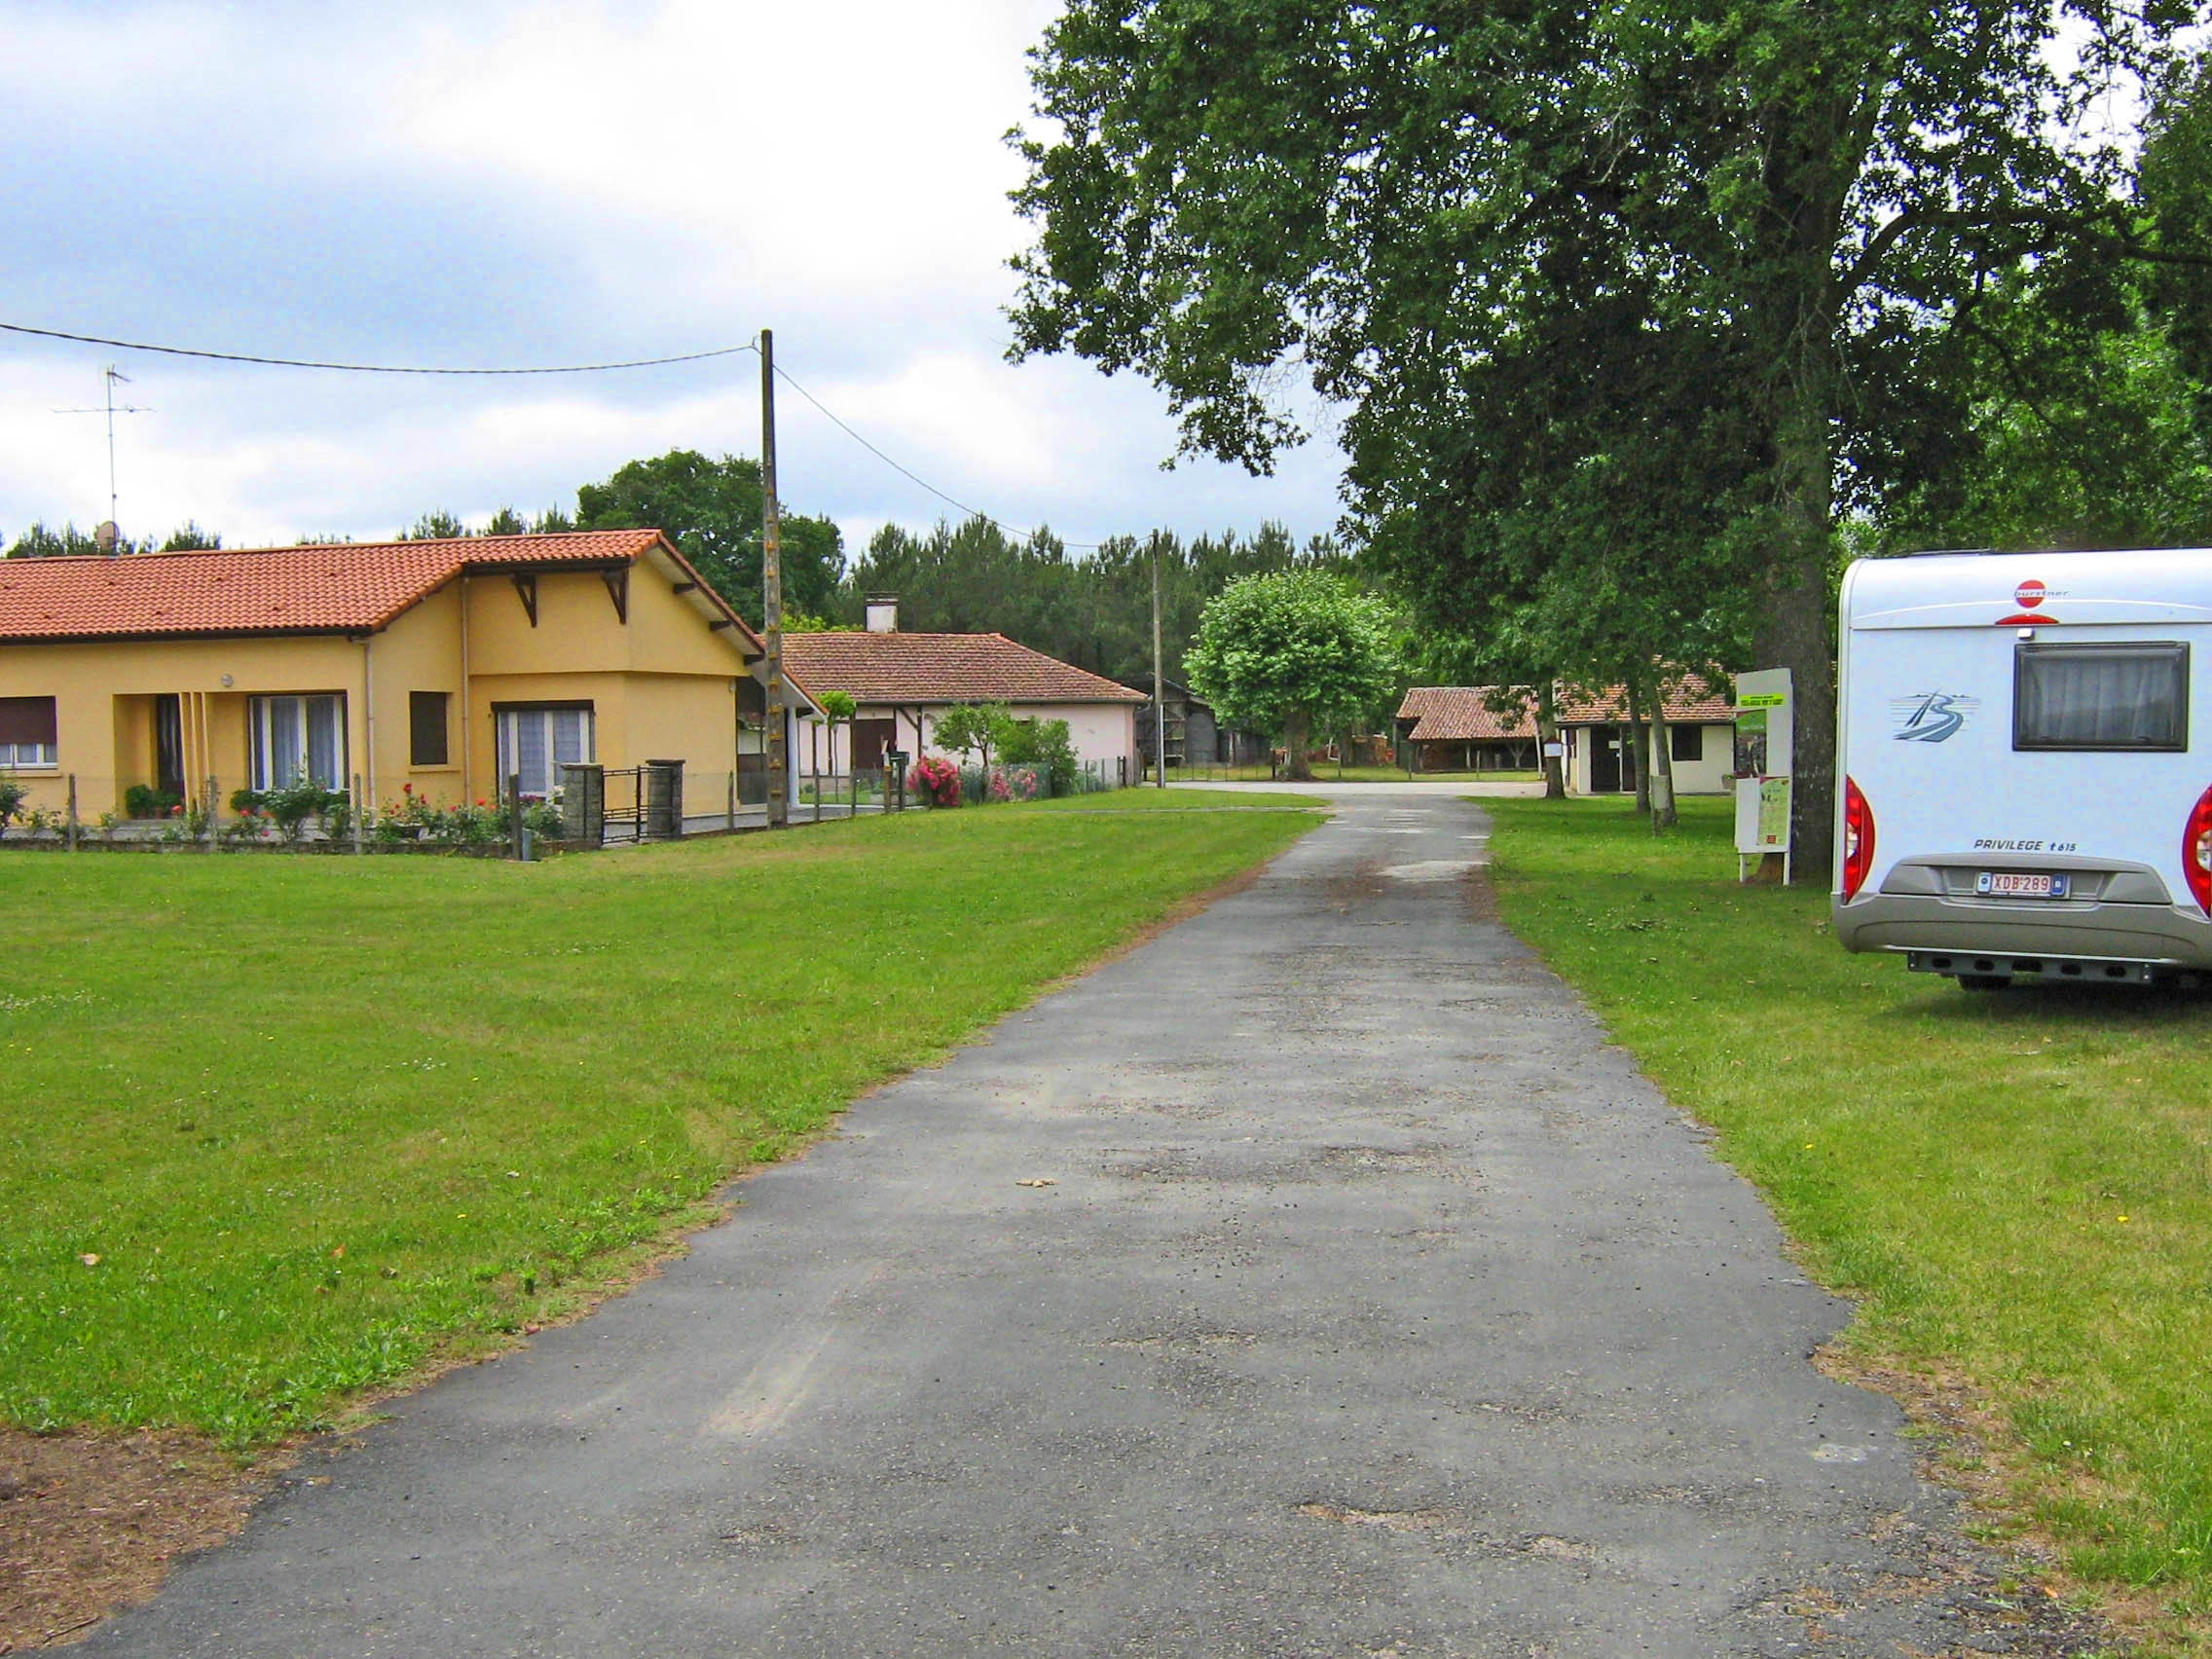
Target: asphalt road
[[1376, 1307]]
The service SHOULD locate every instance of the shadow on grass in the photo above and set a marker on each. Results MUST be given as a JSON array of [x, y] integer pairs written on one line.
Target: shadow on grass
[[2070, 1008]]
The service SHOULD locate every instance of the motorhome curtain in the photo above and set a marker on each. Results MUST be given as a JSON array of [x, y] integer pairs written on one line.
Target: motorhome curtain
[[2102, 697]]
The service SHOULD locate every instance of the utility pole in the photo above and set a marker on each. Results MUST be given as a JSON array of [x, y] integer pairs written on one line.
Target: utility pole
[[1159, 680], [772, 584]]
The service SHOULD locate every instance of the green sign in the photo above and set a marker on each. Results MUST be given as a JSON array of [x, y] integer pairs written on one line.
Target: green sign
[[1762, 700]]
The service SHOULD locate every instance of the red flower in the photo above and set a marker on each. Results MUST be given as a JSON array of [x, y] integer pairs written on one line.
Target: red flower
[[406, 788]]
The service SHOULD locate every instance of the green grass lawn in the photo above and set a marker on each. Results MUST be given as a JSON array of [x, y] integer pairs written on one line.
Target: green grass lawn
[[281, 1128], [1152, 799], [2017, 1187], [1328, 772]]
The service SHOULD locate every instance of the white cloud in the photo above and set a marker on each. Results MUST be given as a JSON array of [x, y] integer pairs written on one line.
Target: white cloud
[[546, 183]]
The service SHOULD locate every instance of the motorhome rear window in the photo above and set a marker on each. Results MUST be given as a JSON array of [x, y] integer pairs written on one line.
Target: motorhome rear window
[[2105, 696]]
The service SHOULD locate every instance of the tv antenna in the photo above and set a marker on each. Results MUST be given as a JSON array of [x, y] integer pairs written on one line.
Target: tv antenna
[[110, 378]]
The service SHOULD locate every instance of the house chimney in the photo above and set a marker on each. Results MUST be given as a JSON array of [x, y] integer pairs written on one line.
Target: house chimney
[[883, 613], [106, 537]]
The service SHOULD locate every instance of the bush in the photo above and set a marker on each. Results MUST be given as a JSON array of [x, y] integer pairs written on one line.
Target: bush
[[289, 809], [935, 779], [143, 800], [1047, 746]]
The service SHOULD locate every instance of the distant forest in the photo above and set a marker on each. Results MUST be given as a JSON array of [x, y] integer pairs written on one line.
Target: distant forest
[[1092, 609]]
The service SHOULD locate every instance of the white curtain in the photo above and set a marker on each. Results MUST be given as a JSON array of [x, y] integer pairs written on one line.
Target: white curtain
[[2102, 697]]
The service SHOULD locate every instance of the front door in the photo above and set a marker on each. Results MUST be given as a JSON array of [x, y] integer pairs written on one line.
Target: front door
[[1605, 759], [168, 743], [1612, 759], [869, 739]]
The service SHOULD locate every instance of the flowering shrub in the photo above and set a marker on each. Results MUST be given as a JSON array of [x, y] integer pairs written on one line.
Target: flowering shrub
[[935, 779], [1014, 783]]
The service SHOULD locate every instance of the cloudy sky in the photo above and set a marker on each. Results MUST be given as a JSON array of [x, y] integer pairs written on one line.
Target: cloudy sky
[[483, 184]]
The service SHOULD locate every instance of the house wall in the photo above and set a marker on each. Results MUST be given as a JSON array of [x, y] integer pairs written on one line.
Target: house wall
[[420, 652], [661, 686], [104, 694], [1703, 776], [1096, 732]]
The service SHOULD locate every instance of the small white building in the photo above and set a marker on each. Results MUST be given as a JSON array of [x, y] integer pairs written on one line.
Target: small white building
[[1601, 743], [903, 683]]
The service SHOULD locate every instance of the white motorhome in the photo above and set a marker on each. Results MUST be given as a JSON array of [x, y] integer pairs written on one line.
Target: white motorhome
[[2018, 793]]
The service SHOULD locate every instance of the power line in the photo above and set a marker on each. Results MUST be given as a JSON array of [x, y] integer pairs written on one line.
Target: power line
[[907, 474], [561, 369], [372, 368]]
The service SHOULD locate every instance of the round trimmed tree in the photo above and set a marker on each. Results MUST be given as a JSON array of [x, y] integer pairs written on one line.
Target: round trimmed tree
[[1292, 651]]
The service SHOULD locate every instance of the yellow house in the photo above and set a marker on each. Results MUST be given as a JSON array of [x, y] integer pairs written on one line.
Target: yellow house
[[436, 667]]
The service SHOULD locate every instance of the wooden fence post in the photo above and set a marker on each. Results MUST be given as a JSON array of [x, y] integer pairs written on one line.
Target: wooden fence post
[[72, 812], [360, 812]]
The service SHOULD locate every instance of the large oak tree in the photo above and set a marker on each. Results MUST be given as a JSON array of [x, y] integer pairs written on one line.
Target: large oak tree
[[1466, 219]]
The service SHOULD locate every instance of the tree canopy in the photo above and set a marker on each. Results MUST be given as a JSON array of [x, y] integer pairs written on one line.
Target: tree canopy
[[1093, 611], [1293, 651], [712, 511], [1500, 236]]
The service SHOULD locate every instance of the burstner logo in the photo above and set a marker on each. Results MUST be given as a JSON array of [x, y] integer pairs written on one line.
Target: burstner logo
[[2029, 594], [1930, 716]]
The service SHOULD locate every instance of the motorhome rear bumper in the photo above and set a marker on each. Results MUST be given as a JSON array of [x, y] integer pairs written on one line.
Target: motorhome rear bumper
[[2161, 935]]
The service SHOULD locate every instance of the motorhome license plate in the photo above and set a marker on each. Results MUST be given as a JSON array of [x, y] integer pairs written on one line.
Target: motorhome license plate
[[2020, 884]]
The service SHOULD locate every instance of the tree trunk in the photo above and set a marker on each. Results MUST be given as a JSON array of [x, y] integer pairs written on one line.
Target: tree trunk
[[1639, 750], [1662, 765], [1796, 631], [1547, 734], [1294, 744]]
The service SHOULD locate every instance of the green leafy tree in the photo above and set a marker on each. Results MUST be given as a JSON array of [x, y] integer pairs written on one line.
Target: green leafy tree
[[1291, 651], [968, 728], [189, 537], [505, 522], [437, 525], [1457, 220], [1046, 745], [712, 511]]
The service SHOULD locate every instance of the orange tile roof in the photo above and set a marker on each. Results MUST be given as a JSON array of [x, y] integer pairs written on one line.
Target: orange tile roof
[[339, 587], [1461, 714], [942, 667], [1692, 702]]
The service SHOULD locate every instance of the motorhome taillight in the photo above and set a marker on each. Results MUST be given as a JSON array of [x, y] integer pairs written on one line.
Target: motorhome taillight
[[2196, 852], [1859, 838]]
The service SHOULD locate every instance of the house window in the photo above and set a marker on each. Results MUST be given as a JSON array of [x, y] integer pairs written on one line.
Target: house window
[[537, 740], [298, 739], [2101, 696], [27, 732], [426, 729], [1686, 742]]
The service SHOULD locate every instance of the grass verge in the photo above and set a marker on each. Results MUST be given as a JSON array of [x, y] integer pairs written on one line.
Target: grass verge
[[1152, 799], [1329, 772], [281, 1129], [2016, 1187]]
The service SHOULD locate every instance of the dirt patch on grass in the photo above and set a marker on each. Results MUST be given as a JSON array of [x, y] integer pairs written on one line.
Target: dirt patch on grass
[[90, 1522], [1966, 1445]]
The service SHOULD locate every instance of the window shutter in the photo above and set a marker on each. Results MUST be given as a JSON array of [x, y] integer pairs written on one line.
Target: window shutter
[[27, 720]]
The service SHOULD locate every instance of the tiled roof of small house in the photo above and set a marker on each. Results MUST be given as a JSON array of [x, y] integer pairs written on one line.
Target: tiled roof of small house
[[341, 587], [942, 667], [1461, 714], [1691, 703]]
